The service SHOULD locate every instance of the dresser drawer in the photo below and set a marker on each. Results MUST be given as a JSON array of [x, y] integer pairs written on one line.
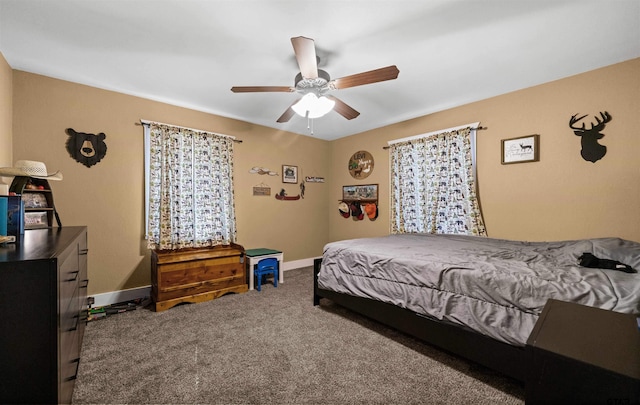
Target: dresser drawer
[[69, 275], [69, 347], [70, 316], [83, 252], [69, 363]]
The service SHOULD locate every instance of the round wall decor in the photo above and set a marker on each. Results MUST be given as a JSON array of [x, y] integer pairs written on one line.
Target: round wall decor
[[361, 165]]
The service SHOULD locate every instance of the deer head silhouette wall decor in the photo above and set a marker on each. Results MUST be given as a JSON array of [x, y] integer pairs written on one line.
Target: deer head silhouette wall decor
[[592, 151]]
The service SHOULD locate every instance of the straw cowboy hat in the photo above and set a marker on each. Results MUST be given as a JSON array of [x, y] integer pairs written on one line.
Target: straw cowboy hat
[[344, 209], [30, 168]]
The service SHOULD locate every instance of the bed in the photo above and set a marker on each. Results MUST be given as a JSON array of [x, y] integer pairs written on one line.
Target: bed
[[473, 296]]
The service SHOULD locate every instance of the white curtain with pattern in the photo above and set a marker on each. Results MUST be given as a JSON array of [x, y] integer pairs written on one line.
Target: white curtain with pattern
[[189, 188], [433, 188]]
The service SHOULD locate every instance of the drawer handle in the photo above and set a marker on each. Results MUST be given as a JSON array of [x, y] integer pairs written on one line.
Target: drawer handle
[[83, 252], [75, 327], [75, 375], [86, 283], [75, 277]]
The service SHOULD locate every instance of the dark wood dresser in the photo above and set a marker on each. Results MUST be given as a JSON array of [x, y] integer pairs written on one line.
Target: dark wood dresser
[[583, 355], [43, 291], [196, 275]]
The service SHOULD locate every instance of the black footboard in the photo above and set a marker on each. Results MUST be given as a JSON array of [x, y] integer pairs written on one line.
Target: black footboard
[[504, 358]]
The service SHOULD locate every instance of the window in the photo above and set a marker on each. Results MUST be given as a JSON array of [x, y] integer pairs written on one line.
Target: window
[[433, 188], [188, 187]]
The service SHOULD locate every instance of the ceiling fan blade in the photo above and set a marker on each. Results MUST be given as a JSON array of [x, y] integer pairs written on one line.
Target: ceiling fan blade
[[262, 89], [286, 116], [343, 109], [305, 51], [372, 76]]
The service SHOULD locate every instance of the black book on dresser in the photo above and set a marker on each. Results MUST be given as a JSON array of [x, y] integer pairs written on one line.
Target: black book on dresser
[[43, 306]]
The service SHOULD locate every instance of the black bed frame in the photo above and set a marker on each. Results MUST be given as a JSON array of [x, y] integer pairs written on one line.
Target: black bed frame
[[502, 357]]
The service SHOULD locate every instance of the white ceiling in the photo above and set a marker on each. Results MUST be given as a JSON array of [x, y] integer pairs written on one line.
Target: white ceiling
[[191, 52]]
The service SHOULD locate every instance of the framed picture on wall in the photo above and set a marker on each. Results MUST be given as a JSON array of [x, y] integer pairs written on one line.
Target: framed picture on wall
[[521, 150], [360, 192], [289, 174]]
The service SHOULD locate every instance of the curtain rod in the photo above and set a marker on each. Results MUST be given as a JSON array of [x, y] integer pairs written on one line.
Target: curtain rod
[[147, 122], [475, 125]]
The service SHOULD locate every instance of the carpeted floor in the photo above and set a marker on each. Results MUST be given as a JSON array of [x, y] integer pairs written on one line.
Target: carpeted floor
[[272, 347]]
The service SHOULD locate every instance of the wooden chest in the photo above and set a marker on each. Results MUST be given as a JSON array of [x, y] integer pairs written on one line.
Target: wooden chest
[[196, 275]]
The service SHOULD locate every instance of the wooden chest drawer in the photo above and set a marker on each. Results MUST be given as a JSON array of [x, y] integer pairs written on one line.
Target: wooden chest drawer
[[178, 279], [197, 272], [196, 275]]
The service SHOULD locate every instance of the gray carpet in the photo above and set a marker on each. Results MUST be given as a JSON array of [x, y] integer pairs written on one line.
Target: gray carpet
[[272, 347]]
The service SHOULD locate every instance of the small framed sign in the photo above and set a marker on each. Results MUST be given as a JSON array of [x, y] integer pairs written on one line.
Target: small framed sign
[[521, 150], [261, 190], [361, 164], [359, 193], [34, 200], [35, 220], [289, 174]]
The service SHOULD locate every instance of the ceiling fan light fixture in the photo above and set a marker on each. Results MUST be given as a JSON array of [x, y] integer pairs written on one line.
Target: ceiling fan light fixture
[[312, 106], [312, 83]]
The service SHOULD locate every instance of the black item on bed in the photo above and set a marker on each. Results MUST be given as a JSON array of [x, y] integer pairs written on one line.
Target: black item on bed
[[589, 260]]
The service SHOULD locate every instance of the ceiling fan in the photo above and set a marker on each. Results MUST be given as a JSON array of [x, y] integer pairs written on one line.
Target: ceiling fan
[[313, 84]]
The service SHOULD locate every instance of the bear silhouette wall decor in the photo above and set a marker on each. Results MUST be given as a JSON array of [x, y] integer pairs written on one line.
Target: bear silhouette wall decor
[[591, 151], [87, 149]]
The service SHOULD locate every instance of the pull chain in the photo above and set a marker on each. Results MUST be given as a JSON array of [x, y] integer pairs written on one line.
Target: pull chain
[[310, 124]]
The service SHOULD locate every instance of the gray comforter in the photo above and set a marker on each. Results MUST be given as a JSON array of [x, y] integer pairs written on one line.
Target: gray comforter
[[495, 287]]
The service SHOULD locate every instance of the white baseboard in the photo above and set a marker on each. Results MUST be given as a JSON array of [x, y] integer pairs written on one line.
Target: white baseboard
[[298, 264], [115, 297]]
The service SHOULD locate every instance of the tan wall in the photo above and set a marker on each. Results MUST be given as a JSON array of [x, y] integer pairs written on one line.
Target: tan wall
[[6, 112], [560, 197], [108, 197]]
